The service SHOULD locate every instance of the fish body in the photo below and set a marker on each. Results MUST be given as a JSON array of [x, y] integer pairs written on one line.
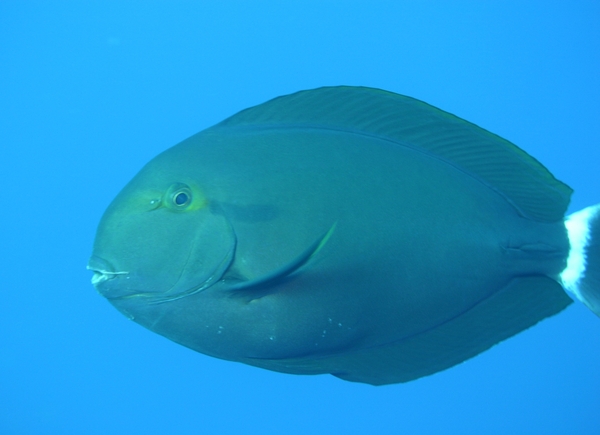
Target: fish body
[[342, 230]]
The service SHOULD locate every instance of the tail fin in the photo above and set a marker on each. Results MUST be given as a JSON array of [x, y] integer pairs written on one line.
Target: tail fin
[[581, 277]]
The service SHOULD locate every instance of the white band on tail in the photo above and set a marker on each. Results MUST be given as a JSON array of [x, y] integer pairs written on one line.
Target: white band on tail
[[578, 228]]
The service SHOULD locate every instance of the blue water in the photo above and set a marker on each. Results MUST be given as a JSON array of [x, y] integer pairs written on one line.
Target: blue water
[[90, 91]]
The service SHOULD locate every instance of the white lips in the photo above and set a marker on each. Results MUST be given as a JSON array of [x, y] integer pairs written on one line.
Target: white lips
[[103, 275]]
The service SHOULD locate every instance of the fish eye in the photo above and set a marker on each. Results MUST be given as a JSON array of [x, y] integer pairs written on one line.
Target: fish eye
[[179, 196]]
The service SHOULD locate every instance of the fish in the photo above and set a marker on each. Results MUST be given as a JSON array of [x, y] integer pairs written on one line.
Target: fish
[[348, 231]]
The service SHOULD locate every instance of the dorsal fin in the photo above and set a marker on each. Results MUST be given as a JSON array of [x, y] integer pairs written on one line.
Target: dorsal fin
[[504, 167]]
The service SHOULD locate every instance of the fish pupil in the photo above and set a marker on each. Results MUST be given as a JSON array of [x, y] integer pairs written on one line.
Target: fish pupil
[[181, 198]]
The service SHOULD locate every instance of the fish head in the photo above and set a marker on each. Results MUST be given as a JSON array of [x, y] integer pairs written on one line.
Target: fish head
[[160, 239]]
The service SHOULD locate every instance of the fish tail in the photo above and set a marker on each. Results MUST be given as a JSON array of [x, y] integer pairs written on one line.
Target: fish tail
[[581, 277]]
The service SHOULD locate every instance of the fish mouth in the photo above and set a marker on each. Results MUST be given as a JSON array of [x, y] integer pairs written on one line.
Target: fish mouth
[[103, 270]]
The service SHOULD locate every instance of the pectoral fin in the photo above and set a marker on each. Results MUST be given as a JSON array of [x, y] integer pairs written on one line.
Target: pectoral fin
[[288, 269]]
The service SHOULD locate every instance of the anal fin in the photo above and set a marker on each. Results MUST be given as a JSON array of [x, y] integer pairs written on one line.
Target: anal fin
[[521, 304]]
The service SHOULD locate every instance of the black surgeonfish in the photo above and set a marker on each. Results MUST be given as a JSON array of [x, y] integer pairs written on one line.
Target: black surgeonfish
[[345, 230]]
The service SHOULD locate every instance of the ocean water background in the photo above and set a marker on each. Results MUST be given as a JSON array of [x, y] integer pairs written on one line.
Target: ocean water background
[[90, 91]]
